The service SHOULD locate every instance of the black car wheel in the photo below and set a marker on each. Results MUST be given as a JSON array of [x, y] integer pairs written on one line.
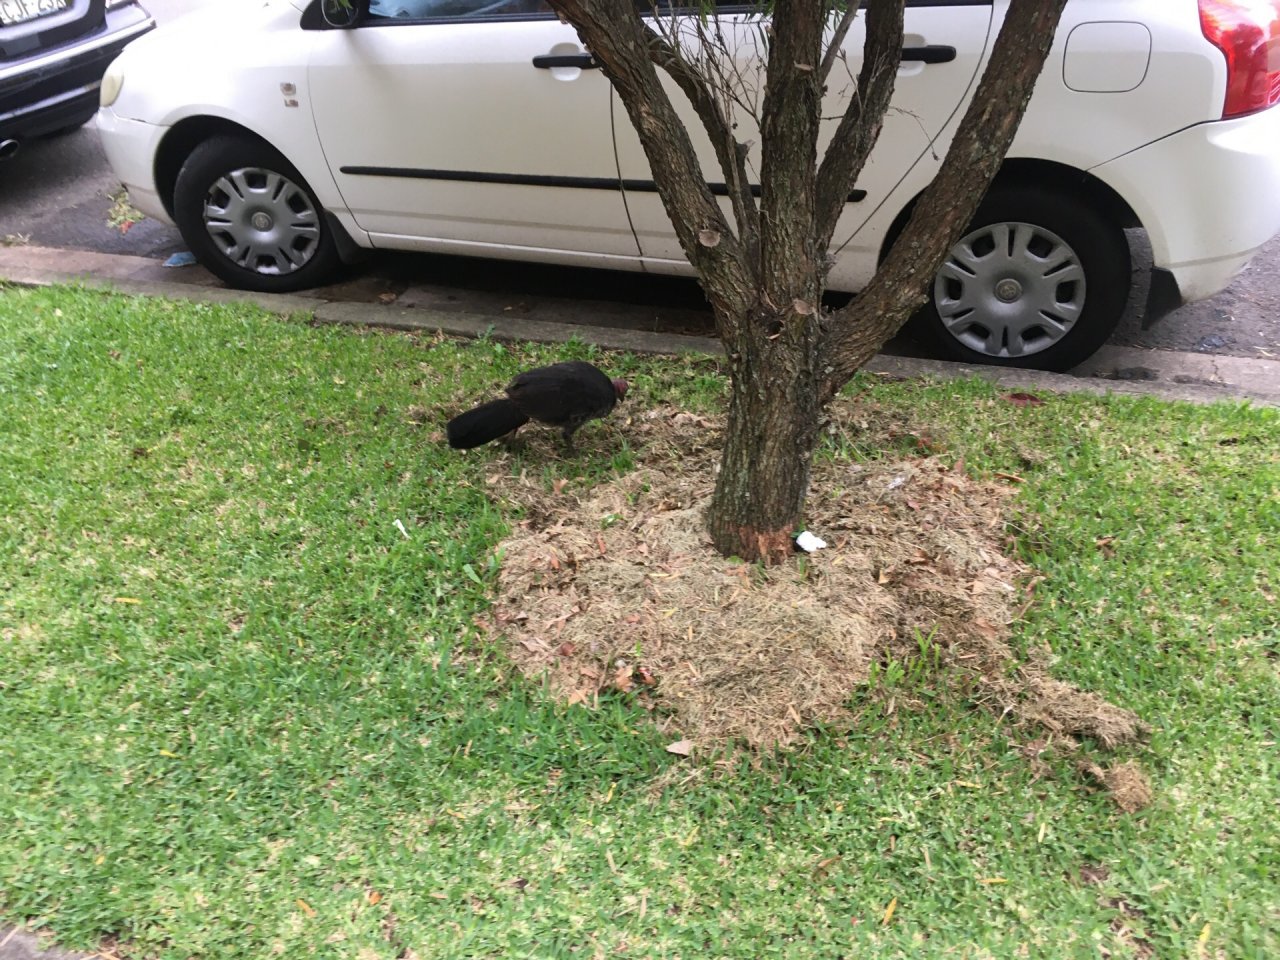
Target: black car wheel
[[1038, 280], [250, 218]]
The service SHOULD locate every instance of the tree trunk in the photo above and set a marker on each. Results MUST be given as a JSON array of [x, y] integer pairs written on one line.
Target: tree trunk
[[772, 429]]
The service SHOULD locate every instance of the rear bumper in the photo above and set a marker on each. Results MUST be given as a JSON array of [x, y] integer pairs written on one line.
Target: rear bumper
[[1209, 198], [56, 88]]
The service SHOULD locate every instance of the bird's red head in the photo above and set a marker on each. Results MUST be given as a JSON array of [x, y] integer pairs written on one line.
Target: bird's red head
[[620, 388]]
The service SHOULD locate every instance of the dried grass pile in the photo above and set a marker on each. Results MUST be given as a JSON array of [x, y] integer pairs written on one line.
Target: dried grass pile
[[619, 588]]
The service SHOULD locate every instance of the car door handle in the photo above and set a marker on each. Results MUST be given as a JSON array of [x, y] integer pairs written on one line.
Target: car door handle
[[930, 54], [583, 61]]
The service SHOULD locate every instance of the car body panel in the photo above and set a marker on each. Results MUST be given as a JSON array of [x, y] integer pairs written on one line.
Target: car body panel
[[1183, 85], [130, 146], [447, 130], [173, 76], [1206, 242]]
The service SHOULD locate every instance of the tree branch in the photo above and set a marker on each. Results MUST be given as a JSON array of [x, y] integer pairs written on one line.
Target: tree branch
[[859, 128], [789, 125], [837, 40], [731, 154], [856, 332]]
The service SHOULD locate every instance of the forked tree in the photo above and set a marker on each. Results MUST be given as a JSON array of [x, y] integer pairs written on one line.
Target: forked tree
[[764, 268]]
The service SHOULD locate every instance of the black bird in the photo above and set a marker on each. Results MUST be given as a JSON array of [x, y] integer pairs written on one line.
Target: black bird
[[564, 395]]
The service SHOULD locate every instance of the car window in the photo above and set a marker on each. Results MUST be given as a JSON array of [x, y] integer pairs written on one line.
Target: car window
[[453, 9]]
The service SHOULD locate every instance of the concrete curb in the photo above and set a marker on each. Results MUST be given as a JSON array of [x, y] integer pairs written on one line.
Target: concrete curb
[[19, 944], [501, 327], [1166, 375]]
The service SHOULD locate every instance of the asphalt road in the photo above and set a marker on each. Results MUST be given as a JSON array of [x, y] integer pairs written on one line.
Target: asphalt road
[[60, 193]]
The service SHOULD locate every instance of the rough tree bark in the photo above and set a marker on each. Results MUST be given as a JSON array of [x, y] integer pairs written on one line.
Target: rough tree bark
[[765, 274]]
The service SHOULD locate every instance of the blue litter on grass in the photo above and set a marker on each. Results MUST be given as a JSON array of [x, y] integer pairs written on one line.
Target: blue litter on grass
[[183, 259]]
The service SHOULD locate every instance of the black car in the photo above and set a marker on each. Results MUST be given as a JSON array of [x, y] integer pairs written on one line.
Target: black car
[[53, 54]]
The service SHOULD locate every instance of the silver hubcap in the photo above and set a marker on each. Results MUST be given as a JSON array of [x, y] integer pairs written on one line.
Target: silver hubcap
[[262, 221], [1010, 290]]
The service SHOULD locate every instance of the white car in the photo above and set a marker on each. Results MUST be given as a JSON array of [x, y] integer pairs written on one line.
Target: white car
[[280, 144]]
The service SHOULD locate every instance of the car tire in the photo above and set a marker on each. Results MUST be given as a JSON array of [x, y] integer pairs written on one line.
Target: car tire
[[250, 219], [1038, 280]]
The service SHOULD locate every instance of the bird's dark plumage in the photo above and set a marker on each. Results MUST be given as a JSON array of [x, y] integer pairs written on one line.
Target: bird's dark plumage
[[564, 395]]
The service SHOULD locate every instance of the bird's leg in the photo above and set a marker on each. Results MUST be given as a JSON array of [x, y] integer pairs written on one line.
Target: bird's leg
[[568, 440]]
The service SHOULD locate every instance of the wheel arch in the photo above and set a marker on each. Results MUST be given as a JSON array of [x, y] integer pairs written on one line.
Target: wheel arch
[[187, 134], [1045, 175], [183, 137]]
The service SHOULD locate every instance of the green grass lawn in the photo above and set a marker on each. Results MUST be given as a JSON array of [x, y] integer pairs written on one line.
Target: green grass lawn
[[236, 722]]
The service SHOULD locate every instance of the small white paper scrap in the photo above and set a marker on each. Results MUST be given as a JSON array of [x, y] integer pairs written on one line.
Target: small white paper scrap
[[809, 543]]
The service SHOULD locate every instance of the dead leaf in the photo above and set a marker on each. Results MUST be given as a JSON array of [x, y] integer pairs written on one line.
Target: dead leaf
[[374, 896], [622, 680], [305, 907], [823, 867], [566, 649], [888, 912], [986, 627], [1024, 399], [681, 748], [388, 297], [559, 484]]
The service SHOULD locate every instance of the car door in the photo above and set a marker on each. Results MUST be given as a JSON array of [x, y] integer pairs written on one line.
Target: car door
[[944, 43], [471, 125]]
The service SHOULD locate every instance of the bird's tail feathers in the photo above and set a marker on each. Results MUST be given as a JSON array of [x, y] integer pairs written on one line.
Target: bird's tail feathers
[[489, 421]]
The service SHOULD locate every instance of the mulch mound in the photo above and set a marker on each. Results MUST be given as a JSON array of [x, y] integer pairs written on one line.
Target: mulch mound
[[617, 588]]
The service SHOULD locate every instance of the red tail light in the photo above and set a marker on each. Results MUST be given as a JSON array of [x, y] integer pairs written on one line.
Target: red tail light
[[1248, 34]]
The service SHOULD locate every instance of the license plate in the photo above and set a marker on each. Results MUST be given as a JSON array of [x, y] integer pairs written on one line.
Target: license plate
[[18, 11]]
